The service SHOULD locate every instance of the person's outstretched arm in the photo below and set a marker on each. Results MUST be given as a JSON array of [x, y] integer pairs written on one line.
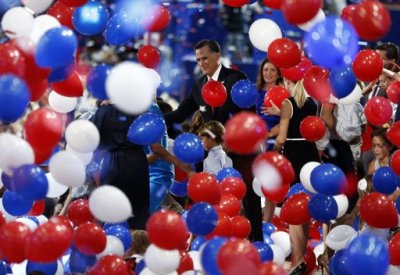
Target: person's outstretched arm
[[187, 107]]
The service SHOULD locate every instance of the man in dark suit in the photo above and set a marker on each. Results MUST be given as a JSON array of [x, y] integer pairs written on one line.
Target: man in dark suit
[[208, 54]]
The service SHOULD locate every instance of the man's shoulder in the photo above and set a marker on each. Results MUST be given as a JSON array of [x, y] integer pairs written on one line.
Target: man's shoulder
[[232, 73]]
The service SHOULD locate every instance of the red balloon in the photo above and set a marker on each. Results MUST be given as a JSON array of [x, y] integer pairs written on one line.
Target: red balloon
[[185, 262], [234, 186], [37, 208], [278, 161], [180, 175], [312, 128], [300, 11], [71, 87], [149, 56], [235, 3], [240, 265], [13, 238], [279, 224], [90, 239], [167, 230], [157, 19], [79, 212], [245, 132], [378, 211], [49, 242], [229, 205], [316, 83], [42, 154], [109, 265], [234, 249], [393, 133], [378, 110], [73, 3], [204, 187], [2, 219], [394, 249], [395, 162], [284, 53], [368, 65], [214, 93], [62, 13], [241, 227], [37, 88], [64, 221], [269, 268], [277, 195], [273, 4], [393, 92], [11, 60], [297, 72], [348, 13], [277, 95], [295, 209], [223, 228], [310, 259], [371, 20], [313, 232]]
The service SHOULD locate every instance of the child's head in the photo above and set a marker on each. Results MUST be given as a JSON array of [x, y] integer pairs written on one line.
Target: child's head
[[381, 146], [140, 242], [211, 134]]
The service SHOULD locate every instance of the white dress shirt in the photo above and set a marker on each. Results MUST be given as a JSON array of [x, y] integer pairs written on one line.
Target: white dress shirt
[[216, 160]]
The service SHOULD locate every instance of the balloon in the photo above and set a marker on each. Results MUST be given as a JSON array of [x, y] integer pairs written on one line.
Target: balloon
[[185, 262], [316, 83], [56, 48], [223, 228], [273, 4], [62, 104], [234, 186], [89, 238], [372, 20], [295, 209], [38, 7], [203, 187], [339, 263], [157, 18], [264, 250], [110, 204], [299, 12], [82, 136], [188, 148], [298, 71], [67, 169], [271, 268], [320, 16], [17, 22], [37, 89], [342, 81], [121, 28], [209, 255], [201, 218], [162, 224], [368, 65], [229, 205], [122, 233], [323, 208], [14, 98], [310, 259], [282, 240], [86, 158], [90, 19], [335, 36], [394, 251], [241, 227], [15, 204], [262, 32], [214, 93], [340, 236], [80, 262], [47, 268], [378, 110], [37, 208], [374, 206], [198, 241], [161, 261], [361, 260], [277, 195], [393, 134], [28, 222], [235, 249], [96, 81], [63, 13], [354, 96], [109, 265], [62, 74], [244, 93], [42, 24], [179, 189], [268, 228], [70, 87], [12, 60], [228, 172], [328, 179], [147, 129], [113, 246], [30, 182], [56, 189], [384, 180], [348, 13], [395, 161], [132, 95], [149, 56], [15, 152], [235, 3], [277, 95], [393, 92], [13, 238], [284, 53], [245, 132], [73, 3], [78, 212], [312, 128]]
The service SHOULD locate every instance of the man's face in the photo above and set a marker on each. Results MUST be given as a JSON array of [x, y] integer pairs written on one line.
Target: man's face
[[207, 60]]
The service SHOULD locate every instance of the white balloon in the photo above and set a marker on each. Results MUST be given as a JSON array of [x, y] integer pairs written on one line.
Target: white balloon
[[340, 236], [320, 16], [154, 77], [67, 169], [279, 257], [257, 187], [42, 24], [15, 152], [147, 271], [60, 268], [282, 239], [16, 22], [343, 204], [268, 175], [28, 222], [37, 6], [19, 268], [319, 249], [42, 219], [109, 204], [161, 261], [114, 246], [7, 216], [362, 184], [130, 87], [354, 96], [56, 189], [305, 175], [84, 157], [195, 255], [263, 32], [62, 104], [1, 182], [82, 136]]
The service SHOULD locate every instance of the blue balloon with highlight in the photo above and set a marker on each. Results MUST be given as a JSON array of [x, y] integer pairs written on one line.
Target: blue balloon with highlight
[[343, 81], [61, 73], [121, 233], [338, 263], [197, 243], [30, 182], [265, 251], [189, 148], [15, 205], [210, 254], [323, 208], [96, 81], [201, 219], [244, 93], [91, 18], [328, 179], [147, 129], [44, 268], [179, 189], [227, 172], [121, 29], [384, 180]]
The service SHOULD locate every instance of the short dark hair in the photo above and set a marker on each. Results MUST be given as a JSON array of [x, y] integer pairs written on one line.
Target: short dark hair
[[216, 128], [211, 43], [391, 49]]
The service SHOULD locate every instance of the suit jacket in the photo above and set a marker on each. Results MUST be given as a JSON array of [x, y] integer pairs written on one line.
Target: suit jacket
[[194, 100]]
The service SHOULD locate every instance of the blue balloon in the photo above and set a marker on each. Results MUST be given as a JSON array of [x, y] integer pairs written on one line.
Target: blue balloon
[[7, 181], [267, 239], [343, 81], [45, 268], [14, 98], [140, 266], [189, 148], [268, 228], [179, 189], [228, 172], [96, 81], [122, 233], [79, 262], [61, 73], [201, 219], [210, 253], [297, 189], [197, 243], [122, 28], [91, 18], [124, 224], [265, 251], [384, 180], [398, 204], [147, 129], [323, 208], [332, 43], [56, 48], [328, 179], [244, 93], [338, 263], [30, 182], [15, 205], [5, 268], [368, 255]]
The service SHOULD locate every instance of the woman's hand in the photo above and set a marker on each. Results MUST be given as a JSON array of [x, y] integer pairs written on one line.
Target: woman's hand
[[274, 110]]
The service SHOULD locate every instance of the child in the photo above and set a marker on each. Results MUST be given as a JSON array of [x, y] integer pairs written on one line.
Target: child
[[211, 134]]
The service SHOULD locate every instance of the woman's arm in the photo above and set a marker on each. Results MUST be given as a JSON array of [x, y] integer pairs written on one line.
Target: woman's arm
[[327, 115], [286, 114], [165, 155]]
